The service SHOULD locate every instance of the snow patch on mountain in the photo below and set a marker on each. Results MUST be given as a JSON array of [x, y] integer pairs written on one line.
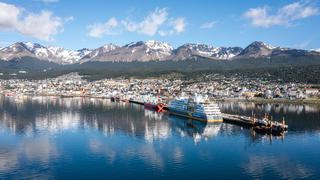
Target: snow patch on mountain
[[191, 50], [96, 53], [148, 51], [157, 45], [53, 54]]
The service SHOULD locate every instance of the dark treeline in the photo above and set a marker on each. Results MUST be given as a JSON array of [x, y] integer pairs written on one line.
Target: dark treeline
[[298, 69]]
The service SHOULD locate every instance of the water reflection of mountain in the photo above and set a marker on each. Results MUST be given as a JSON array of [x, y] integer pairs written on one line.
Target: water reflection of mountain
[[50, 114], [300, 118], [29, 115]]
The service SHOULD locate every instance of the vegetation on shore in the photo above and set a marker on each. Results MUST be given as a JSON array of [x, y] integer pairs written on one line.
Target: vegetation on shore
[[298, 69]]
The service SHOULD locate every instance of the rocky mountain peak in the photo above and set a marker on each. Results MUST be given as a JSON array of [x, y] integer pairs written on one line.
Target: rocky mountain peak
[[147, 51], [157, 45], [260, 44], [257, 49]]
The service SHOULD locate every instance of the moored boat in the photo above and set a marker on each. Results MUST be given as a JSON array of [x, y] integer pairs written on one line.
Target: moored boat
[[153, 102], [196, 108]]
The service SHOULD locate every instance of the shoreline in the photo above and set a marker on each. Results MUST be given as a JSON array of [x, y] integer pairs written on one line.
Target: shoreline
[[255, 100], [61, 96], [273, 101]]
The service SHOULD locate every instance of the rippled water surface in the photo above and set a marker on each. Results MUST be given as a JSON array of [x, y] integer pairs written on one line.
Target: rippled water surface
[[49, 137]]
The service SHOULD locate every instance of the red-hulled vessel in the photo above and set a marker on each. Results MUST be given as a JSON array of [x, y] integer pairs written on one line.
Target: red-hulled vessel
[[154, 103]]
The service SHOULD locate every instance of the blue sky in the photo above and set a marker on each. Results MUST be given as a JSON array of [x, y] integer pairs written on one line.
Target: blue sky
[[76, 24]]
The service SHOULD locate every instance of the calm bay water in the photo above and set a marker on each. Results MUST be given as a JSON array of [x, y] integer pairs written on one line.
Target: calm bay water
[[48, 137]]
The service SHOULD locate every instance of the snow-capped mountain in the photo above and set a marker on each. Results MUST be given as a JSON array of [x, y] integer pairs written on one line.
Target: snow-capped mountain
[[257, 49], [155, 50], [135, 51], [148, 51], [317, 50], [193, 50], [100, 52], [53, 54], [260, 49], [65, 56], [15, 50]]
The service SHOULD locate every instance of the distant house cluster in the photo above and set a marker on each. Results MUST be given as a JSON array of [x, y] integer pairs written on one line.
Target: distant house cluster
[[212, 86]]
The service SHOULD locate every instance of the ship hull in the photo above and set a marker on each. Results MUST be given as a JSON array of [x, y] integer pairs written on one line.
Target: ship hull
[[136, 102], [198, 118], [158, 107], [150, 106]]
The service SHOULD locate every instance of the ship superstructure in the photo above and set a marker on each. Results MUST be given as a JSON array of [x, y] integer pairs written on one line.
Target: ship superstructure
[[196, 108]]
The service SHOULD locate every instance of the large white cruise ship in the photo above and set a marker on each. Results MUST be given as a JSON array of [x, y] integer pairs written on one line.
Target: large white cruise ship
[[195, 108]]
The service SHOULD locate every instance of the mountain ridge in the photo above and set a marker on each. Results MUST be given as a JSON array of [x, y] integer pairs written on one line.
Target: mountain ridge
[[148, 51]]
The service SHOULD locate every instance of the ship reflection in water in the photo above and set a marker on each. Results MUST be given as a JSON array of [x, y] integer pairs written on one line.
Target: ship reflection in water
[[51, 137]]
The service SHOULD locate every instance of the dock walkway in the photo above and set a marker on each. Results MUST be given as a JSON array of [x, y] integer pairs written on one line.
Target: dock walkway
[[263, 125]]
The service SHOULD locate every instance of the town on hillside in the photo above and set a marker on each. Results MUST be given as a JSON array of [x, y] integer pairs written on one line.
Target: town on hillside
[[213, 86]]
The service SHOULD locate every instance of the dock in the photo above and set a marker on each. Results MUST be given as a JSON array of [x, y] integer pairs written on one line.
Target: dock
[[237, 119], [262, 125]]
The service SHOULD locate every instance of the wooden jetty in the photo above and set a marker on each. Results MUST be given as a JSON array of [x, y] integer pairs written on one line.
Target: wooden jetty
[[263, 125], [237, 119]]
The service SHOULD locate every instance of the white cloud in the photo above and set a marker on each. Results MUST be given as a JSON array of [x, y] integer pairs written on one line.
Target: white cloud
[[176, 26], [48, 1], [260, 17], [107, 28], [208, 25], [153, 21], [129, 25], [156, 22], [179, 24], [298, 10], [8, 16], [41, 26], [150, 24]]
